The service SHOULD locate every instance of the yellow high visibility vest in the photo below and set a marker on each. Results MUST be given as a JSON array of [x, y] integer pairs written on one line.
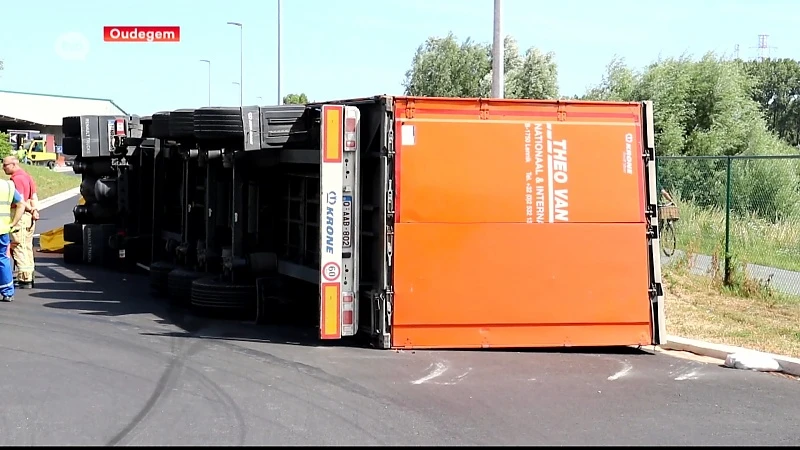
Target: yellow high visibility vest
[[6, 198]]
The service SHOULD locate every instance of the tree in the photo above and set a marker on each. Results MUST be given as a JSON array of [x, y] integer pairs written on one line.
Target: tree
[[706, 107], [535, 77], [295, 99], [5, 145], [776, 87], [443, 67]]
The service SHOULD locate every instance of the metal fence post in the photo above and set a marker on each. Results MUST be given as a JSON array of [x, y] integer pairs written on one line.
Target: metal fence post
[[727, 267]]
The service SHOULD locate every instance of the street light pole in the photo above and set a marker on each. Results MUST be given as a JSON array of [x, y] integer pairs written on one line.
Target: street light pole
[[241, 59], [209, 79], [280, 100], [498, 57], [240, 91]]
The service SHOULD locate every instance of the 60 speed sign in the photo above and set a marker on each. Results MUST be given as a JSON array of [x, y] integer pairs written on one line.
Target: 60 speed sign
[[331, 271]]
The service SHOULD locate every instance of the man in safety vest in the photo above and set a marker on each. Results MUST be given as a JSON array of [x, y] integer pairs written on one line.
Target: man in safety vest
[[8, 196]]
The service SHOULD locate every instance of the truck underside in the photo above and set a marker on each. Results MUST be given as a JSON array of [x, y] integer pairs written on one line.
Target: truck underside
[[300, 214]]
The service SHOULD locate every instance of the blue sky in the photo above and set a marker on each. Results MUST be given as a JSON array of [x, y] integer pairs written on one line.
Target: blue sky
[[342, 49]]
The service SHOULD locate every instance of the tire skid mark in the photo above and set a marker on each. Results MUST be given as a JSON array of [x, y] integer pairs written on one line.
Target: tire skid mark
[[169, 378], [315, 374], [225, 399]]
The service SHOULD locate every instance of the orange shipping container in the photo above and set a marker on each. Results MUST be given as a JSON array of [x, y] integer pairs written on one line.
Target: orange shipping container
[[523, 224]]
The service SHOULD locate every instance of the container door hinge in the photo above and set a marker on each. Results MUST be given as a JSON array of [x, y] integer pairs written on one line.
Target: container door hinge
[[410, 106], [656, 290], [484, 109], [561, 112]]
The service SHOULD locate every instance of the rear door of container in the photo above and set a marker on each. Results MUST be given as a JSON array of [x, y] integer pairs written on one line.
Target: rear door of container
[[523, 224]]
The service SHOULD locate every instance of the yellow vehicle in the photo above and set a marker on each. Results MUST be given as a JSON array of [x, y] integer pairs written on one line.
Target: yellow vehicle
[[35, 152]]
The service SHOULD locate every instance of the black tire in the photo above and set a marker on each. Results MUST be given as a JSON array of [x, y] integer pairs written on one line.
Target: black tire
[[268, 299], [159, 277], [159, 127], [87, 188], [94, 213], [179, 284], [51, 164], [73, 233], [181, 124], [105, 190], [96, 248], [71, 146], [73, 254], [71, 126], [218, 123], [667, 239], [212, 294]]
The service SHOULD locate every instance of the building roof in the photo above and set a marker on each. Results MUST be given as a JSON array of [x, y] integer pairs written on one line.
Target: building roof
[[44, 109]]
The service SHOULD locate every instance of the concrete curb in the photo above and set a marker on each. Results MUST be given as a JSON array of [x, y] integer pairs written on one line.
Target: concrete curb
[[58, 198], [788, 365]]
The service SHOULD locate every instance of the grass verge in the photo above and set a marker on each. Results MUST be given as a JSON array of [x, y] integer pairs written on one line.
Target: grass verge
[[51, 183], [747, 315], [752, 239]]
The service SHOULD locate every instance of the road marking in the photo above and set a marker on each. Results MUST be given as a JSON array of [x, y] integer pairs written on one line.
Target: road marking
[[438, 369], [455, 380], [621, 373], [691, 375]]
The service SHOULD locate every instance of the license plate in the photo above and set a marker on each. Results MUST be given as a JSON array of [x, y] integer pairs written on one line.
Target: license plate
[[347, 221]]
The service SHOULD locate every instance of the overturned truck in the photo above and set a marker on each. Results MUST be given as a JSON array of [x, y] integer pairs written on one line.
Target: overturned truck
[[412, 222]]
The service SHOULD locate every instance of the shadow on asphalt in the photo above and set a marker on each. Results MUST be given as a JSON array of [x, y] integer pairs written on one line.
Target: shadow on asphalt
[[100, 292]]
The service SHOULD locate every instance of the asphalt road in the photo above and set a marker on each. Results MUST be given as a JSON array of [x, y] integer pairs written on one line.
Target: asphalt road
[[90, 359], [56, 215]]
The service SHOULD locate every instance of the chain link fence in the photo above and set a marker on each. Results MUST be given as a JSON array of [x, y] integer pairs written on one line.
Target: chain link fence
[[738, 217]]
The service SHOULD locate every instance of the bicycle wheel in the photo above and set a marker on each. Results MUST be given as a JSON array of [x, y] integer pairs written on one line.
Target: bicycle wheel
[[668, 241]]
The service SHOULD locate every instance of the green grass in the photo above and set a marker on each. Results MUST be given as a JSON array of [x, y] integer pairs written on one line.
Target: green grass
[[698, 307], [51, 183], [752, 240]]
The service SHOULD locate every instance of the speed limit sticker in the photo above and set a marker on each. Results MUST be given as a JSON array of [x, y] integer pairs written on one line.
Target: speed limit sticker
[[331, 271]]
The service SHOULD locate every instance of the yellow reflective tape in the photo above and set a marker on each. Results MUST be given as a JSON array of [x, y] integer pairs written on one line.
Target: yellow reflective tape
[[333, 134], [331, 296]]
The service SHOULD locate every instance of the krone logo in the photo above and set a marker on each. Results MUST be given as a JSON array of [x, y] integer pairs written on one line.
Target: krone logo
[[72, 46]]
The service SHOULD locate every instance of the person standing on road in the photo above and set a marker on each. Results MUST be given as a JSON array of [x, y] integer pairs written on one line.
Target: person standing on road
[[8, 197], [22, 239]]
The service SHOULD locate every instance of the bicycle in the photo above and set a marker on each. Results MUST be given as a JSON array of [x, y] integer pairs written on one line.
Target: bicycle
[[667, 217]]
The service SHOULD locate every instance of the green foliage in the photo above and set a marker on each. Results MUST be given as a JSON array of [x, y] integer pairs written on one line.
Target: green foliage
[[443, 67], [295, 99], [776, 87], [5, 145], [706, 107]]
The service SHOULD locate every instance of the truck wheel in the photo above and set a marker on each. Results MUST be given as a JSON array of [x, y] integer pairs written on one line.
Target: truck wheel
[[73, 233], [159, 277], [268, 299], [159, 127], [181, 124], [215, 123], [96, 250], [179, 284], [212, 294], [71, 146], [51, 164], [87, 188], [73, 254]]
